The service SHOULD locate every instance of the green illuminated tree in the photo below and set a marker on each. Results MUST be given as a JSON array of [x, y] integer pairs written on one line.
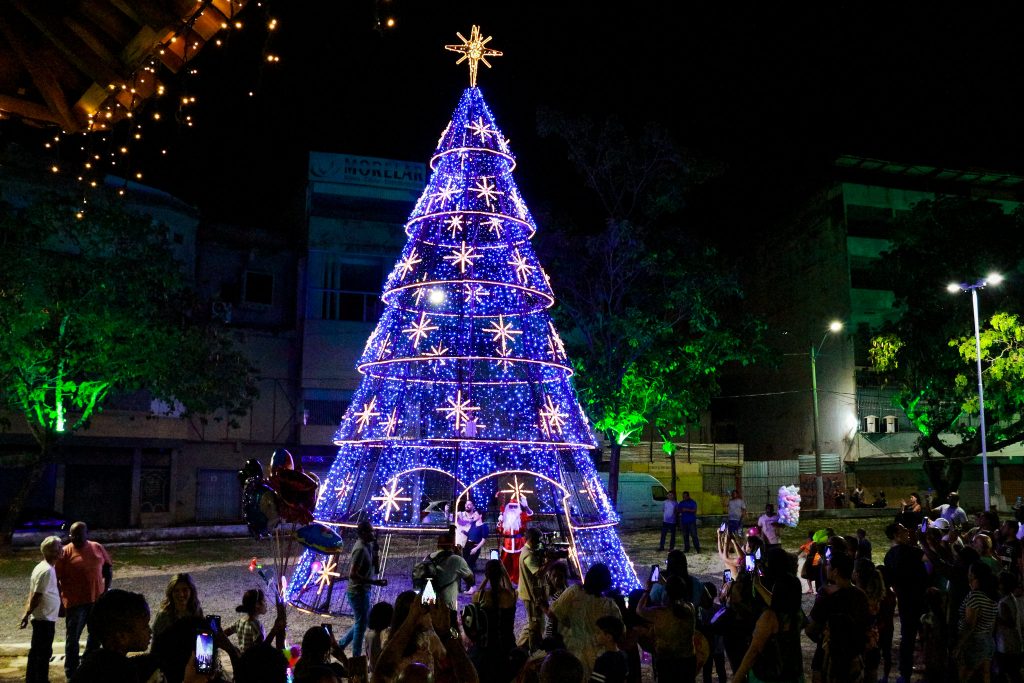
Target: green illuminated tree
[[647, 315], [928, 354], [96, 305]]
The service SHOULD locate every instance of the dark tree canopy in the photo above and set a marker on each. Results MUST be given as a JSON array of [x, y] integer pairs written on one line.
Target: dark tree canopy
[[649, 315]]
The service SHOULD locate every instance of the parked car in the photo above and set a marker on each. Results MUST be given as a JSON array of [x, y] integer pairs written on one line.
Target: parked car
[[40, 520], [640, 498]]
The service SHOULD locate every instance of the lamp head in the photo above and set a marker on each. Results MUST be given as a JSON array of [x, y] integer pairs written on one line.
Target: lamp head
[[993, 279], [835, 326], [953, 288]]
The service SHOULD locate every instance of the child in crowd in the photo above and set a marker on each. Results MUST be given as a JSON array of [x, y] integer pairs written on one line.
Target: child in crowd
[[248, 626], [611, 665]]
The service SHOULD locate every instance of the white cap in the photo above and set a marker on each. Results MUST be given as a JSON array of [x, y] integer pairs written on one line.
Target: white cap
[[941, 523]]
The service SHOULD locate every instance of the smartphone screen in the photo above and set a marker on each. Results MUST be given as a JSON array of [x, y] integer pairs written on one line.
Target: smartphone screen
[[722, 528], [494, 554], [329, 629], [429, 597], [727, 576], [828, 553], [749, 562], [215, 622], [655, 573], [204, 652], [757, 554], [924, 525]]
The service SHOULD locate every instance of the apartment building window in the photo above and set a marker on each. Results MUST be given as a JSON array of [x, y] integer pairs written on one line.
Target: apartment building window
[[324, 407], [345, 288], [868, 221], [258, 288]]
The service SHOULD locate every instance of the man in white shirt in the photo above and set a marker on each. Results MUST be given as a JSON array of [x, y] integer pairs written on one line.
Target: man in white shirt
[[736, 510], [451, 567], [668, 521], [952, 512], [43, 608], [768, 523]]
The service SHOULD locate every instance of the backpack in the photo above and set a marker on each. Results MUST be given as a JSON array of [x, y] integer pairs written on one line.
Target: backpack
[[474, 623], [428, 568]]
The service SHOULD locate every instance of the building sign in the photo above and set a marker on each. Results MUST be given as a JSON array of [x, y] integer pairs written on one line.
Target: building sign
[[352, 170]]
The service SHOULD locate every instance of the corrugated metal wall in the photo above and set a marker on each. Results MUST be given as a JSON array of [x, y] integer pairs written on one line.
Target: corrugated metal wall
[[762, 479]]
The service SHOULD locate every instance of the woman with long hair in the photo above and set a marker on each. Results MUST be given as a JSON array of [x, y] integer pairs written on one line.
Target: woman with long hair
[[497, 599], [181, 601], [672, 627], [774, 653], [975, 643]]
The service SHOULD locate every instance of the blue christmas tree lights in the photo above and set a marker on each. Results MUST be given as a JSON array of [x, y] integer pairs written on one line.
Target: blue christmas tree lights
[[466, 389]]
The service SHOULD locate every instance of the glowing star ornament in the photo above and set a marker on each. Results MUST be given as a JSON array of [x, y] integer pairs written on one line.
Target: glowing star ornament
[[344, 487], [463, 257], [418, 331], [407, 264], [494, 226], [366, 414], [326, 574], [454, 224], [516, 490], [486, 191], [445, 193], [555, 346], [475, 50], [552, 418], [480, 128], [391, 423], [385, 347], [390, 499], [458, 409], [474, 293], [502, 331], [522, 266]]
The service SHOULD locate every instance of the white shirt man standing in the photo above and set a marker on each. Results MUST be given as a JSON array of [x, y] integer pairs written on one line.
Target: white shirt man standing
[[451, 568], [736, 510], [43, 609]]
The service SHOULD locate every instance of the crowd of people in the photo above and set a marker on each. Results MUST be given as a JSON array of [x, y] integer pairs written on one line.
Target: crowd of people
[[952, 588]]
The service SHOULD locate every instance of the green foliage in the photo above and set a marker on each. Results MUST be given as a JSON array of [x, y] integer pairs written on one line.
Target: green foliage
[[97, 305], [927, 352]]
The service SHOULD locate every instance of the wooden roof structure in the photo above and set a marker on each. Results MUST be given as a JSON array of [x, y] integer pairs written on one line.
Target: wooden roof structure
[[83, 65]]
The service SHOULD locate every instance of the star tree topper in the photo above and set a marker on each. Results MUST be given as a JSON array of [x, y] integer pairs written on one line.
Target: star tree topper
[[475, 50]]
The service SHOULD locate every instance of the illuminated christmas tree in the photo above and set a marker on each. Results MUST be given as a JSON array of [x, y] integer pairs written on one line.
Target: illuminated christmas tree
[[466, 390]]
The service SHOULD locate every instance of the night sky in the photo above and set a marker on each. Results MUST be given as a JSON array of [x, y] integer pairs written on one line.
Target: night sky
[[768, 92]]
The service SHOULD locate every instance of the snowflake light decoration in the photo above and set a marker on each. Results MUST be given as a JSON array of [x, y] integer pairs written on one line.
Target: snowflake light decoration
[[390, 499], [458, 409]]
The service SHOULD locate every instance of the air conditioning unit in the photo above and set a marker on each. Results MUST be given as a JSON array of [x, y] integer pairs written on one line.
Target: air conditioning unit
[[891, 424], [871, 424], [221, 310]]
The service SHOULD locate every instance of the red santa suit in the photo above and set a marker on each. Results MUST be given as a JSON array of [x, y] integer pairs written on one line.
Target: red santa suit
[[512, 524]]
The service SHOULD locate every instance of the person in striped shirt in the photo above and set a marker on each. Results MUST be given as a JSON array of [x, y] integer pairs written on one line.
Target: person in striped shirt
[[976, 634]]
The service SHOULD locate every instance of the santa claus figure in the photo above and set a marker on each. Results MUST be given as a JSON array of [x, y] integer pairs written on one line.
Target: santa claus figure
[[515, 514]]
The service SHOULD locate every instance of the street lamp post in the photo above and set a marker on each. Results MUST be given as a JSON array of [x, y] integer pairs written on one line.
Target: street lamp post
[[992, 279], [819, 485]]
